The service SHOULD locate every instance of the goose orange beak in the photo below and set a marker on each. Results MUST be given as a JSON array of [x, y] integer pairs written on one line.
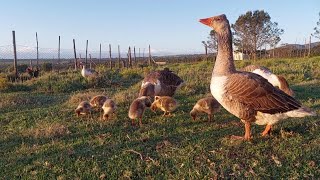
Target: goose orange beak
[[206, 21]]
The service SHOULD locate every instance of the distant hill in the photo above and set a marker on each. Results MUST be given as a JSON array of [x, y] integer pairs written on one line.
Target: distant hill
[[299, 46]]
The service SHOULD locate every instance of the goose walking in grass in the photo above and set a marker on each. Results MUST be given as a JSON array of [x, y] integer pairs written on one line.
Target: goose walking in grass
[[165, 103], [207, 105], [86, 73], [137, 109], [109, 108], [98, 102], [246, 95], [160, 83], [275, 80], [84, 108]]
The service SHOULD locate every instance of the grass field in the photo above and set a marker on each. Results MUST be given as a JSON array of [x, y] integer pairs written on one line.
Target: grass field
[[41, 138]]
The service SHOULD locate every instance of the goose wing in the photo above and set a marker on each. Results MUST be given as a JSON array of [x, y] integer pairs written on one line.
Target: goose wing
[[258, 94], [166, 77]]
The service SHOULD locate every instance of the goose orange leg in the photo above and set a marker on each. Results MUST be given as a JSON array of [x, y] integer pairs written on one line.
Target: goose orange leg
[[247, 134], [140, 121], [266, 130]]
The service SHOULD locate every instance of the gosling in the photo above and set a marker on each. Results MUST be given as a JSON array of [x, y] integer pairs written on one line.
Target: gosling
[[137, 109], [208, 105], [98, 101], [83, 108], [165, 103], [109, 107]]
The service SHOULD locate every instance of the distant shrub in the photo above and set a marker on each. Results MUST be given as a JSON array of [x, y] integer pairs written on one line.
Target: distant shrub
[[4, 84], [47, 67]]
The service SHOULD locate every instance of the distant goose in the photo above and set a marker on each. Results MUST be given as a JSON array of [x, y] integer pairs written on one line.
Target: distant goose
[[275, 80], [246, 95], [207, 105], [85, 72], [160, 83]]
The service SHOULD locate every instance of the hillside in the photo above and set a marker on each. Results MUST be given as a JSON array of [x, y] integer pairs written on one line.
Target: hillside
[[41, 137]]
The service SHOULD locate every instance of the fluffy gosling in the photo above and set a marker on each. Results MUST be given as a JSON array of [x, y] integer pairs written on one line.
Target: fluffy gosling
[[137, 109], [166, 103], [109, 107], [208, 105], [83, 108]]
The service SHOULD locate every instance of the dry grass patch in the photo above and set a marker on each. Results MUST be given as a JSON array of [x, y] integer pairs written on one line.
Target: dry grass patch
[[44, 130]]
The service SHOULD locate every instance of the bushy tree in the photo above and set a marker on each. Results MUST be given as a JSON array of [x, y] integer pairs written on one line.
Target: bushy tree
[[212, 41], [316, 34], [255, 29]]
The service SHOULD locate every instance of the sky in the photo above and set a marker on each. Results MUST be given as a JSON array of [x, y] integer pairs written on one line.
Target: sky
[[169, 26]]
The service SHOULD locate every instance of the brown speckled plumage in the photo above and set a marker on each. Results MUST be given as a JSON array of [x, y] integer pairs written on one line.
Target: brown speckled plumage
[[168, 80], [98, 101]]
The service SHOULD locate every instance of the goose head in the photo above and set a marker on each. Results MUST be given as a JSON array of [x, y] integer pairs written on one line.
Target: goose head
[[218, 23]]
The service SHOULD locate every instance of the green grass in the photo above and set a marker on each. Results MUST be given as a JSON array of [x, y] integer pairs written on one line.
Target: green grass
[[41, 137]]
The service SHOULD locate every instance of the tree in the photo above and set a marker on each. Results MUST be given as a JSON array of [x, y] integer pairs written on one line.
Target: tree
[[253, 30], [212, 41], [316, 34]]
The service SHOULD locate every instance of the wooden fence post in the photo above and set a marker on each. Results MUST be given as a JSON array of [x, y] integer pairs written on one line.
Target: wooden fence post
[[110, 58], [15, 54], [149, 61], [87, 52], [59, 54], [100, 54], [90, 61], [309, 53], [119, 57], [134, 55], [129, 57], [75, 55], [37, 50]]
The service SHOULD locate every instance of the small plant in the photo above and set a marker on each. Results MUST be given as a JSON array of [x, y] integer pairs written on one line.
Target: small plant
[[4, 84]]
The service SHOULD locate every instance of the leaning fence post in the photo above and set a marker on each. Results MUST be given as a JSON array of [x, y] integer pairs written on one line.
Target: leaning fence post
[[75, 55]]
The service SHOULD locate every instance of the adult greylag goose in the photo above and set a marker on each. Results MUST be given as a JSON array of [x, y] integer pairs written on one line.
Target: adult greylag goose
[[160, 83], [275, 80], [85, 72], [208, 105], [165, 103], [137, 109], [246, 95]]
